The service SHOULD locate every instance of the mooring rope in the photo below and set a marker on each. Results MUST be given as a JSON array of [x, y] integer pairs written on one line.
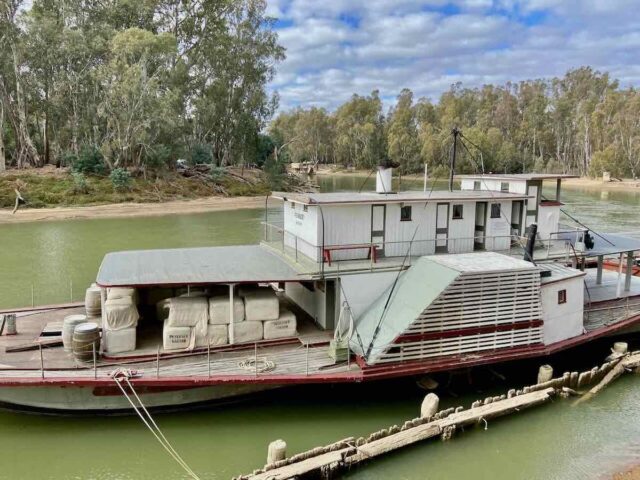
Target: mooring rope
[[148, 421]]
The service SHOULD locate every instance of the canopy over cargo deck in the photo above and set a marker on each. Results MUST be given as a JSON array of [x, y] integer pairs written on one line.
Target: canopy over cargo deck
[[195, 266], [335, 198]]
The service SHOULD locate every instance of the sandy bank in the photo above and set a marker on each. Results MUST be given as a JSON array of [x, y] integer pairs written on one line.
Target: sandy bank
[[120, 210], [630, 474]]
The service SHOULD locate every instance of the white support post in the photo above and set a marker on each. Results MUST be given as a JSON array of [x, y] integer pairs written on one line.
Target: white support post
[[231, 316], [426, 171], [627, 279], [41, 361], [619, 282], [599, 270]]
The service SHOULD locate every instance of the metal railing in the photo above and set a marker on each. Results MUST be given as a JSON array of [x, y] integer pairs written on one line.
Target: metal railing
[[294, 246], [251, 359]]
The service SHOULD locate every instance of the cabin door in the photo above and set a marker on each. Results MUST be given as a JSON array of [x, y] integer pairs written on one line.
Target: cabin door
[[480, 231], [378, 214], [442, 227], [516, 217]]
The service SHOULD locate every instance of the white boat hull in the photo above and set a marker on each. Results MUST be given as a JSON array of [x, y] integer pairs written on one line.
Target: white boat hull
[[72, 399]]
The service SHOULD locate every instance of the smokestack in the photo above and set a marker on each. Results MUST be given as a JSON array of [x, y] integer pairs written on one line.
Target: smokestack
[[531, 242], [384, 176], [383, 179]]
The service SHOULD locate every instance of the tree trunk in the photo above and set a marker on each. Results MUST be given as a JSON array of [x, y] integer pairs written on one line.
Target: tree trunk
[[28, 152], [3, 164]]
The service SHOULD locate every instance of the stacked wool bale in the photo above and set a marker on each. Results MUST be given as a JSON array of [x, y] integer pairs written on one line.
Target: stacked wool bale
[[186, 323], [220, 318], [120, 320], [263, 312]]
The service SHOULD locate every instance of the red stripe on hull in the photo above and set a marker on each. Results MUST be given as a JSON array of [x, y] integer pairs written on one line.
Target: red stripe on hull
[[461, 332]]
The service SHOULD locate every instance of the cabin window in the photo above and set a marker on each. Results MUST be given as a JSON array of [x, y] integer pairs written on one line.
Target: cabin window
[[305, 208], [504, 186], [293, 206], [457, 212], [495, 210], [476, 185], [562, 296], [405, 213]]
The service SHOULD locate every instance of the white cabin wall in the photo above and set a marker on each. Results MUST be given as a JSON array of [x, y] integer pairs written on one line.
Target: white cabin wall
[[398, 234], [305, 226], [344, 225], [494, 185], [312, 302], [462, 231], [548, 219], [499, 229], [565, 320]]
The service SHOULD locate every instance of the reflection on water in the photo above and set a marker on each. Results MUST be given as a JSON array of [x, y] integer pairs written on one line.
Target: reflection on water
[[553, 442]]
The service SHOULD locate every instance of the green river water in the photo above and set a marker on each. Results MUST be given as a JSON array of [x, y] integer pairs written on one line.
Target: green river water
[[56, 260]]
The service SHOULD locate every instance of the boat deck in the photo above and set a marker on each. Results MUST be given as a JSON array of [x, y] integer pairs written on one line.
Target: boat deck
[[304, 355]]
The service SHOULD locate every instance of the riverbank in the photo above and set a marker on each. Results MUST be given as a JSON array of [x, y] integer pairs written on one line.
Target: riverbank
[[50, 187], [123, 210], [630, 474]]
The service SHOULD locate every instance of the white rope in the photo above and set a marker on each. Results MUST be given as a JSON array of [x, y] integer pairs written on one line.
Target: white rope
[[160, 431], [157, 432]]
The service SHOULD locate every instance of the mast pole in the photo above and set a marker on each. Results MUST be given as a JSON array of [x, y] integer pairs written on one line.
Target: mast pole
[[455, 132]]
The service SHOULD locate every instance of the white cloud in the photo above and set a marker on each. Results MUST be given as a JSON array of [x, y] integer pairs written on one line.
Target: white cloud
[[339, 47]]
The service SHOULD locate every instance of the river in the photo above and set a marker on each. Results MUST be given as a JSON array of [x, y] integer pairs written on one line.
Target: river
[[60, 258]]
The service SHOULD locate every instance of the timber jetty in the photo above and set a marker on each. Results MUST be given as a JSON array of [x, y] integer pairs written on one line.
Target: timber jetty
[[329, 460]]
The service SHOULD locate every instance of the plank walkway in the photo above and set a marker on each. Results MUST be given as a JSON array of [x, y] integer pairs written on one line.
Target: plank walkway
[[323, 462]]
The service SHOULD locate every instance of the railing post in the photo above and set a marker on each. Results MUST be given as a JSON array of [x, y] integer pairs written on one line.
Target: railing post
[[255, 357], [307, 361], [33, 298], [208, 359], [296, 237], [95, 368], [41, 361], [70, 290], [158, 362]]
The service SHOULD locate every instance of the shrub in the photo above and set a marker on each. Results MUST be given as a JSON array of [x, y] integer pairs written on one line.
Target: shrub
[[201, 154], [89, 160], [79, 183], [120, 179], [158, 157], [217, 173]]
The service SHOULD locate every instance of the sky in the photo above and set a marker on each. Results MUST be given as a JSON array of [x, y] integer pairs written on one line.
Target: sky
[[336, 48]]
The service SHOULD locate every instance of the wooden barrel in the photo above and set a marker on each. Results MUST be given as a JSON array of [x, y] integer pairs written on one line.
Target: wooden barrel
[[69, 324], [86, 337], [93, 301]]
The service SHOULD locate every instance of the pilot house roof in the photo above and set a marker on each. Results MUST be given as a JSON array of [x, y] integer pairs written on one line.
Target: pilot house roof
[[335, 198]]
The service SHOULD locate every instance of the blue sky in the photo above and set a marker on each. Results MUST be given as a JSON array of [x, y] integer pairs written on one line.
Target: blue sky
[[339, 47]]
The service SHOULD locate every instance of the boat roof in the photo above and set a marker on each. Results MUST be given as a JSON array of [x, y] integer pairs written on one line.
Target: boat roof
[[336, 198], [194, 266], [518, 176], [558, 272], [604, 243]]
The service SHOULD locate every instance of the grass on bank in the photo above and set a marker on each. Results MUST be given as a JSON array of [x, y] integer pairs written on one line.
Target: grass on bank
[[56, 187]]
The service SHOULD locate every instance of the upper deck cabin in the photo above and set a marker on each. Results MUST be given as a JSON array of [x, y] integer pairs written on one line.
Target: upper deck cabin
[[489, 212], [534, 208]]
